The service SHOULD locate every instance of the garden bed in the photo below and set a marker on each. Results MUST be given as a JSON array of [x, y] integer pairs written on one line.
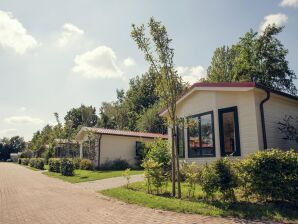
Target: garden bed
[[136, 194]]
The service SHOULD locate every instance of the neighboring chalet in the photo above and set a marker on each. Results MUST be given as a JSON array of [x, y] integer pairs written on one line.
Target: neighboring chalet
[[103, 145], [231, 119]]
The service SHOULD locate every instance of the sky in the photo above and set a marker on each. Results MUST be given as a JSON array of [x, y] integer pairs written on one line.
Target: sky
[[55, 55]]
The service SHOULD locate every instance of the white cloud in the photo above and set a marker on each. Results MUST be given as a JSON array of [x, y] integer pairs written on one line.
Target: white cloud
[[278, 19], [22, 109], [23, 120], [70, 34], [98, 63], [9, 132], [14, 35], [191, 74], [129, 62], [289, 3]]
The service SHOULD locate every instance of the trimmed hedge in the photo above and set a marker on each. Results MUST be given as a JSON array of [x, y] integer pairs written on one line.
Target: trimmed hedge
[[37, 163], [54, 165], [271, 175], [86, 164], [117, 164], [67, 167], [76, 162], [25, 161]]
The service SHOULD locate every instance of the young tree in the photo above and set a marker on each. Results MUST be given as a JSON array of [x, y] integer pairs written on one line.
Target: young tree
[[260, 58], [169, 83]]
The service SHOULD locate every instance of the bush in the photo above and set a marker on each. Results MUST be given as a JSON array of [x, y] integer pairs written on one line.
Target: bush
[[272, 175], [25, 161], [190, 173], [19, 161], [158, 151], [117, 164], [67, 167], [154, 176], [54, 165], [26, 154], [86, 164], [219, 176], [37, 163], [76, 162]]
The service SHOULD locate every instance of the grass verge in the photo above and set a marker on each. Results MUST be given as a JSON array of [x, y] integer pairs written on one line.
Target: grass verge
[[136, 194], [87, 175]]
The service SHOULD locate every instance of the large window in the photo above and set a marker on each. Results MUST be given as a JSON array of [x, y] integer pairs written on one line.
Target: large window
[[229, 131], [180, 141], [201, 135]]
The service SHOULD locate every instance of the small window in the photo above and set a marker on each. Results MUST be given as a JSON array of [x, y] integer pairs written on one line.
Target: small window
[[229, 131], [201, 135], [180, 141], [139, 149]]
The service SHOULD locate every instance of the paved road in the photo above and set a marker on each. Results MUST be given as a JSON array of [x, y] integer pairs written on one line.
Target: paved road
[[29, 197], [109, 183]]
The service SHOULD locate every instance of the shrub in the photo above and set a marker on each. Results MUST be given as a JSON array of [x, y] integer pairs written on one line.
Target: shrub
[[48, 154], [37, 163], [154, 175], [67, 167], [190, 173], [76, 162], [86, 164], [158, 151], [219, 176], [19, 161], [117, 164], [209, 180], [26, 154], [25, 161], [272, 175], [127, 176], [54, 165], [32, 162]]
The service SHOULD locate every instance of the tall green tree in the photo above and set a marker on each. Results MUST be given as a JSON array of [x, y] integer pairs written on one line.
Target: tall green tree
[[81, 116], [260, 58], [129, 111], [169, 83]]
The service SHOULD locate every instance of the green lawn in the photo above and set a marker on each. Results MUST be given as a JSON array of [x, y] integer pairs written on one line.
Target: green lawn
[[86, 175], [136, 194]]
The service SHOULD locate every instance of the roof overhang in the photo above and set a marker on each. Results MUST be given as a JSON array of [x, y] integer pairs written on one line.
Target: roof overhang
[[229, 87]]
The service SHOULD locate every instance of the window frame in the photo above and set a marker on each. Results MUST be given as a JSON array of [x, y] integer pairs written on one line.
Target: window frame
[[183, 140], [221, 111], [200, 136]]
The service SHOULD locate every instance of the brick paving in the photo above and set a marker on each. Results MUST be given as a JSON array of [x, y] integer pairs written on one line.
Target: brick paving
[[29, 197]]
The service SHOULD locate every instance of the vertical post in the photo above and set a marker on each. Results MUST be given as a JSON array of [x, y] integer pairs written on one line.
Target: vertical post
[[81, 150]]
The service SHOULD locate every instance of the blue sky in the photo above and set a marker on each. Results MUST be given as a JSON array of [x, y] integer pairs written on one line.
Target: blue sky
[[55, 55]]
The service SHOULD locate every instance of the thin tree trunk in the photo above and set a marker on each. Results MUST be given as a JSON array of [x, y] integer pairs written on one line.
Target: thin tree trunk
[[173, 166], [177, 163]]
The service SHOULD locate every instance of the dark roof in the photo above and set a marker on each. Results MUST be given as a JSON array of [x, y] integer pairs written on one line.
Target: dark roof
[[233, 85], [124, 133]]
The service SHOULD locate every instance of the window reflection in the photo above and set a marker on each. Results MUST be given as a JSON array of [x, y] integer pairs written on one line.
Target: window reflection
[[200, 135]]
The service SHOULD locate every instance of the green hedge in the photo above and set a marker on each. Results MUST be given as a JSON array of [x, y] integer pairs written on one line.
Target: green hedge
[[67, 167], [25, 161], [86, 164], [37, 163], [271, 175], [76, 162], [54, 165]]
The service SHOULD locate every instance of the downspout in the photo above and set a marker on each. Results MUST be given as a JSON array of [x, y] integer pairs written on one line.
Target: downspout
[[263, 118], [99, 141]]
